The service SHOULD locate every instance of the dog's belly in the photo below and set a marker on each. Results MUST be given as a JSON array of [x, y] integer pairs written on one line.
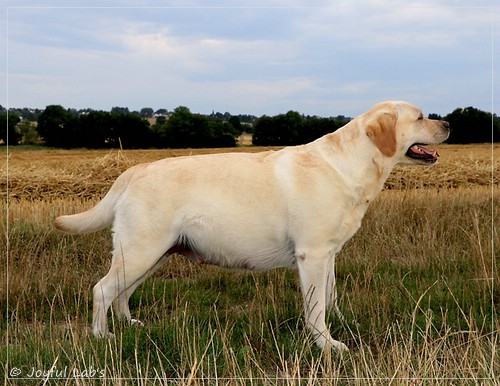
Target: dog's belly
[[243, 252], [234, 230]]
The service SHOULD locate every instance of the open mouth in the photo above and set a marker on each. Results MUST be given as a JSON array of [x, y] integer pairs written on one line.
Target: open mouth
[[419, 153]]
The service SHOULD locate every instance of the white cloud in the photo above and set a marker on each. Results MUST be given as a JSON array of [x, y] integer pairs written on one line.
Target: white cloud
[[267, 60], [382, 24]]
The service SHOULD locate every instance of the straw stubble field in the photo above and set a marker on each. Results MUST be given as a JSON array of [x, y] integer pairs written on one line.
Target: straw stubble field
[[418, 286]]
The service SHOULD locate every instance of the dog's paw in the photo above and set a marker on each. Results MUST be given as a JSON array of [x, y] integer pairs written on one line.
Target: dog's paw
[[341, 347], [327, 343], [104, 335], [136, 322]]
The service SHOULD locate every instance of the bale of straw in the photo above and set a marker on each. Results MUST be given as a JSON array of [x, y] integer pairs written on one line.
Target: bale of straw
[[85, 180]]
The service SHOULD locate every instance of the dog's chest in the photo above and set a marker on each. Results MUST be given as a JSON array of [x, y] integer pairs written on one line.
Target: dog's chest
[[351, 221]]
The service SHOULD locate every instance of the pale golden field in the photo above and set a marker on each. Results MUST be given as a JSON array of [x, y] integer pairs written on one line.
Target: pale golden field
[[419, 287]]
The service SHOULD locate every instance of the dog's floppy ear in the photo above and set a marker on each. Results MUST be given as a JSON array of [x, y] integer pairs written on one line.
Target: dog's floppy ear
[[382, 131]]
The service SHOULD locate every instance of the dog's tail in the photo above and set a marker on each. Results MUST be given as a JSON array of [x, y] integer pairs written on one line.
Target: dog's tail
[[101, 215]]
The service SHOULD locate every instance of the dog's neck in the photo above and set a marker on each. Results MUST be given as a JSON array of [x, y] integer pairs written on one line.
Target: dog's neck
[[363, 168]]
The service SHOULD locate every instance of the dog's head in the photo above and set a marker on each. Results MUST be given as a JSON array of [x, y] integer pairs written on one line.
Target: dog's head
[[400, 131]]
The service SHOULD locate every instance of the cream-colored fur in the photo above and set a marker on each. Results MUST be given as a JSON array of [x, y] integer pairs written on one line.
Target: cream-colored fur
[[294, 208]]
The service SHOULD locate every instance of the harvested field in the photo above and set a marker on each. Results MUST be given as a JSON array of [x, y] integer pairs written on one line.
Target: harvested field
[[418, 284], [48, 174]]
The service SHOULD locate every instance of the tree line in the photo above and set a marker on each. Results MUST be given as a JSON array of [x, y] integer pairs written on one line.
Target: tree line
[[68, 128], [293, 128]]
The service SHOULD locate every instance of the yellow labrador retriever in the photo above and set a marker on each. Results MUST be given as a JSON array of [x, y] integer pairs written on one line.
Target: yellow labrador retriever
[[295, 208]]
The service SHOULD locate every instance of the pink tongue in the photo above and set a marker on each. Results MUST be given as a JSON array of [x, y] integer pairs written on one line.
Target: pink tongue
[[422, 150]]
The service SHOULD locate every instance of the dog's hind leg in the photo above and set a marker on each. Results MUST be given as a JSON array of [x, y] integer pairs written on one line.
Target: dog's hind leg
[[133, 261], [120, 304]]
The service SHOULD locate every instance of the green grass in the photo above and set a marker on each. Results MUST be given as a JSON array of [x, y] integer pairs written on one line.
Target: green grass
[[418, 287]]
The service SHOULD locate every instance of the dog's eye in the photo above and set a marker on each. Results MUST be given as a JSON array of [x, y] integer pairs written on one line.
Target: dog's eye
[[420, 117]]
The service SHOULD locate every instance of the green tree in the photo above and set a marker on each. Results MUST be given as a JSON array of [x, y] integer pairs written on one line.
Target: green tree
[[262, 130], [28, 132], [120, 110], [161, 119], [315, 127], [8, 132], [179, 130], [184, 129], [223, 134], [293, 129], [471, 125], [281, 130], [96, 127], [147, 112], [161, 112], [53, 126], [130, 131], [235, 122]]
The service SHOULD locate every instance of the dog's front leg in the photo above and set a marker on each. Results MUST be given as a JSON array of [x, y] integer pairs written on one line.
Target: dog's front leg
[[331, 289], [313, 267]]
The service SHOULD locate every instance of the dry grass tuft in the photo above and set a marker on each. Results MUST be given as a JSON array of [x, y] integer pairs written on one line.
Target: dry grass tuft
[[77, 179]]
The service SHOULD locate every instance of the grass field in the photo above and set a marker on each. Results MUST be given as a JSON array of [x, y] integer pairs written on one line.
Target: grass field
[[419, 287]]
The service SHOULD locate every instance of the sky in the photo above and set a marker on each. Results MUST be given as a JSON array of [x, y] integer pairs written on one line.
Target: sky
[[324, 58]]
